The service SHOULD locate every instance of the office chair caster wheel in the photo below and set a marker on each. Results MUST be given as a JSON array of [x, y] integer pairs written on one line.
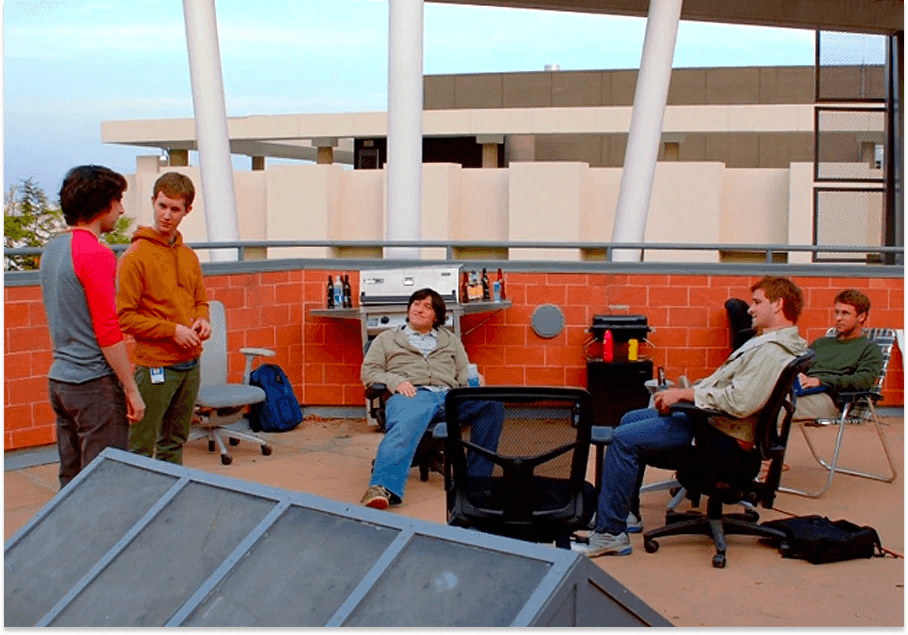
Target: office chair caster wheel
[[719, 561], [650, 546], [226, 459], [266, 450], [211, 446], [233, 441]]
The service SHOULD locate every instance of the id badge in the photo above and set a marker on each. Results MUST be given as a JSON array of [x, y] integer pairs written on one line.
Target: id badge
[[157, 375]]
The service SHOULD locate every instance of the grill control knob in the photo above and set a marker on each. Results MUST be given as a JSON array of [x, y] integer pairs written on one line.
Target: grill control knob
[[385, 319]]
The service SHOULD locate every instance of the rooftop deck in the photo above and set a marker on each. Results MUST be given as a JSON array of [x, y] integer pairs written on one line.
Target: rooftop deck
[[331, 458]]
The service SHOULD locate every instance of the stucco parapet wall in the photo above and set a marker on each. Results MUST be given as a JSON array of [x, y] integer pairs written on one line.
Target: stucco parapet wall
[[465, 122]]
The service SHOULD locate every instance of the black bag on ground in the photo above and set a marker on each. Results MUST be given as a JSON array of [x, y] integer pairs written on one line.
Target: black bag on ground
[[819, 540], [281, 410]]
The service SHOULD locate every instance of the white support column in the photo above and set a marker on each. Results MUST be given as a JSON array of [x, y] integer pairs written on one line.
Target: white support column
[[405, 100], [646, 126], [211, 125]]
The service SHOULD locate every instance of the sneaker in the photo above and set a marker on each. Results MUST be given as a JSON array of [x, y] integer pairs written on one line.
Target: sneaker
[[377, 497], [634, 524], [604, 545]]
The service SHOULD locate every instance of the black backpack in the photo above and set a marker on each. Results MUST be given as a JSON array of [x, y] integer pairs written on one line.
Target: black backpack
[[819, 540], [281, 410]]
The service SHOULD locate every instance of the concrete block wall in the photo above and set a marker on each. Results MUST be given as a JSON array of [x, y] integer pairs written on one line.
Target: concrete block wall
[[322, 356]]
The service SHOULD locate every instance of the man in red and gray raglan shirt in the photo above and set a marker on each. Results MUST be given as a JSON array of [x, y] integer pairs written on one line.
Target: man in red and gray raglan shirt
[[92, 390]]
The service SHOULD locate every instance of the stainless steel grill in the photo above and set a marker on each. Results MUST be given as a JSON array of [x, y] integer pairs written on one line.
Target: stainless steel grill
[[383, 296], [384, 293]]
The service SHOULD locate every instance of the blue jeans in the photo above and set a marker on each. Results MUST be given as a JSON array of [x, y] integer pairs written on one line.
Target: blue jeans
[[407, 421], [640, 433]]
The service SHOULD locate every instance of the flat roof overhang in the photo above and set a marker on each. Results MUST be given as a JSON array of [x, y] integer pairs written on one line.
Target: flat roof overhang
[[870, 16], [291, 136]]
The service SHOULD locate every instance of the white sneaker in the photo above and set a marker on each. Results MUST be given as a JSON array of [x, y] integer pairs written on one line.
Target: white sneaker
[[634, 524], [604, 545]]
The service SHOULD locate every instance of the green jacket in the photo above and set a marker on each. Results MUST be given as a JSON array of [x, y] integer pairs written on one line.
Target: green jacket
[[392, 360]]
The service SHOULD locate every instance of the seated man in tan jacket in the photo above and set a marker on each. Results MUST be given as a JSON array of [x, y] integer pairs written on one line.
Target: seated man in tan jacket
[[419, 362]]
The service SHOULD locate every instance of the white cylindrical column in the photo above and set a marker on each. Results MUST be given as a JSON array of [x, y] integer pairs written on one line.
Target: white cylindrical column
[[646, 126], [405, 99], [211, 125]]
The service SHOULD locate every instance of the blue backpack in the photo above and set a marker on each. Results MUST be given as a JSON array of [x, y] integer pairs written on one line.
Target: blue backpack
[[281, 410]]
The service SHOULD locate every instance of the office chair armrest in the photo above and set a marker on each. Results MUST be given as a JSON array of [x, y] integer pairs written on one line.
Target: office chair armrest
[[699, 413], [440, 431], [601, 435], [251, 354], [258, 352], [375, 391]]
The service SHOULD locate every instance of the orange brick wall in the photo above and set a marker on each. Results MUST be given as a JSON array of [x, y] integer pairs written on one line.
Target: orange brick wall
[[322, 356]]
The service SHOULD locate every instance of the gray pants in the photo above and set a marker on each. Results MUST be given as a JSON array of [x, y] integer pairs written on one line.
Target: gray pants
[[90, 417]]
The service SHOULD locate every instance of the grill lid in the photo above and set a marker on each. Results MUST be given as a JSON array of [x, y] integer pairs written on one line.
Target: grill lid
[[623, 327], [395, 286]]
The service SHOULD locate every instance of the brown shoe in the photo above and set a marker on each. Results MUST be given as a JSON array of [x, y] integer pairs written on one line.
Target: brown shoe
[[377, 497]]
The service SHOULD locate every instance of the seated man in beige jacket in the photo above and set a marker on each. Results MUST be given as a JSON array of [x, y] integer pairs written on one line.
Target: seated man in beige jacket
[[419, 363]]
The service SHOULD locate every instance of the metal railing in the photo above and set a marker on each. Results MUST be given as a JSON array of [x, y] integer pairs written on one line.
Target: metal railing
[[598, 257]]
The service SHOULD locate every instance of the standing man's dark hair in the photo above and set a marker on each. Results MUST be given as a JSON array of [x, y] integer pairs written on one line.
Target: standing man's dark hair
[[92, 390], [88, 190]]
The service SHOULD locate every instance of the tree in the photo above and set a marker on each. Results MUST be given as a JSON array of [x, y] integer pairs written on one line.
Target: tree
[[30, 221]]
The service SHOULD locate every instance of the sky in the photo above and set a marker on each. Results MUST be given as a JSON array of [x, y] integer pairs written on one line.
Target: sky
[[68, 66]]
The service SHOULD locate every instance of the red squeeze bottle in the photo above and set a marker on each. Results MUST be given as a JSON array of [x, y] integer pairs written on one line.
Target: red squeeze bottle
[[608, 348]]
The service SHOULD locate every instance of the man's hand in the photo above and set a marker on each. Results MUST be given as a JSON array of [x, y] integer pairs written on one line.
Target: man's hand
[[135, 406], [186, 337], [202, 328], [406, 389], [808, 382], [664, 399]]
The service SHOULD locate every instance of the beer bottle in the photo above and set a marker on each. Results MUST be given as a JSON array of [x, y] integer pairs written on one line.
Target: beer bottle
[[348, 292]]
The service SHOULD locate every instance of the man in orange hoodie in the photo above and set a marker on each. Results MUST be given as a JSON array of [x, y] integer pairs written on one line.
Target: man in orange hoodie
[[161, 302]]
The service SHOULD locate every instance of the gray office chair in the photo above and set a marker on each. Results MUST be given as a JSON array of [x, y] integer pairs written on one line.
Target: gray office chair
[[220, 409]]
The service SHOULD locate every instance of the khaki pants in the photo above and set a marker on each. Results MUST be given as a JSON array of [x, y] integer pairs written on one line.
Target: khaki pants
[[817, 406]]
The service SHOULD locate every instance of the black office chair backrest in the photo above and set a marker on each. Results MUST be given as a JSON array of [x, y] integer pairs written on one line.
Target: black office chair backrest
[[774, 424], [537, 470], [711, 468], [740, 324]]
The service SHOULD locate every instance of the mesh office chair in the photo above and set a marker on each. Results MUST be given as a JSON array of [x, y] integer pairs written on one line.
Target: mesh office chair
[[531, 485], [740, 327], [220, 408], [729, 476], [856, 407]]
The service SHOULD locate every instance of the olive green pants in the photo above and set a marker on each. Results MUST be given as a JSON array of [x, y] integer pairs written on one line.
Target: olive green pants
[[168, 413]]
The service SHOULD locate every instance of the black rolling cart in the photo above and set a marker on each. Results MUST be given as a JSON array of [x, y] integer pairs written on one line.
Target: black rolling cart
[[617, 386]]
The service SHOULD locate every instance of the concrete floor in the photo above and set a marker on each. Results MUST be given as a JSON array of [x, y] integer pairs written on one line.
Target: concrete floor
[[331, 458]]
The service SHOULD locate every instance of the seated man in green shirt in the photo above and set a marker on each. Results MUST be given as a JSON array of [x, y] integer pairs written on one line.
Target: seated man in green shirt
[[848, 361]]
